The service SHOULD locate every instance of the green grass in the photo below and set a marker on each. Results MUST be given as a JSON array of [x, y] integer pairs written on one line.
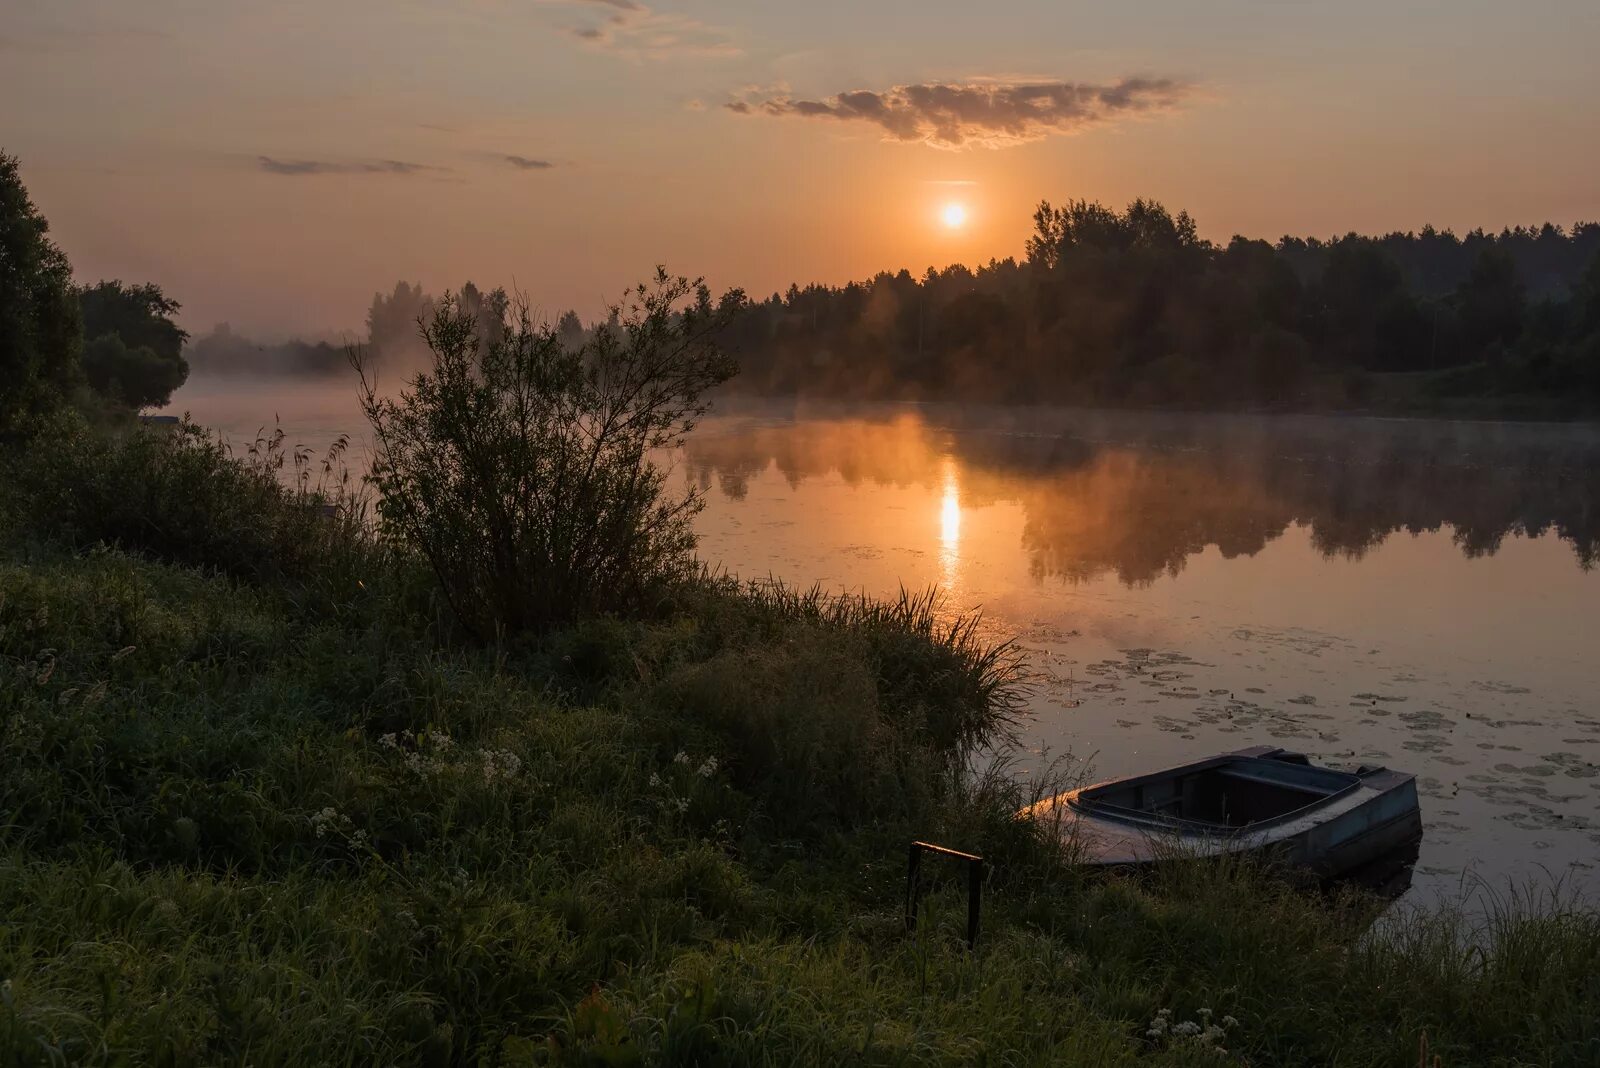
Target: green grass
[[241, 824]]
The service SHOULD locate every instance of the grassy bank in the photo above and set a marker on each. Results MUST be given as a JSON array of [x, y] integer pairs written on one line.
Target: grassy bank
[[263, 804]]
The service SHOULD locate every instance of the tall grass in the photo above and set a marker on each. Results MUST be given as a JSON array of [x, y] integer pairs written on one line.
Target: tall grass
[[274, 514], [933, 668]]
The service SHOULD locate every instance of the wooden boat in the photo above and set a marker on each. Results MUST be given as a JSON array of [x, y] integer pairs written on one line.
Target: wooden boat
[[1261, 800]]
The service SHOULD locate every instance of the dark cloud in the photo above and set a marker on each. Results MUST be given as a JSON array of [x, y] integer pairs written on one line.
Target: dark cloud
[[317, 166], [523, 163], [991, 114], [633, 29]]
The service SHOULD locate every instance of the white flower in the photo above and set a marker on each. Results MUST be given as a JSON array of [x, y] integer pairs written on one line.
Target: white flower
[[1186, 1028], [1229, 1021], [681, 758], [500, 764], [655, 781], [322, 821], [709, 768], [1202, 1013], [388, 741]]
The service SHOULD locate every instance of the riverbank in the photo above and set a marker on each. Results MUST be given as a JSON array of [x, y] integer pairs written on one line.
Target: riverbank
[[1457, 394], [267, 805]]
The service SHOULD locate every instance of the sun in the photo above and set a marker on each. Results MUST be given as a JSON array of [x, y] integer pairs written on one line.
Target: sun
[[954, 215]]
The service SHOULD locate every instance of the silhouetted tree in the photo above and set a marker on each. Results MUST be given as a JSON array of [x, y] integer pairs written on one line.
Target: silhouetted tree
[[1491, 302], [40, 327], [569, 329], [135, 349]]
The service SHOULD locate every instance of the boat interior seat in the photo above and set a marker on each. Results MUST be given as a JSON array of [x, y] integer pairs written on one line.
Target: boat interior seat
[[1234, 794]]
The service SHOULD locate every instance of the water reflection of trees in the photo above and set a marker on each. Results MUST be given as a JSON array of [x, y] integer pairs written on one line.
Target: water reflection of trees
[[1137, 496]]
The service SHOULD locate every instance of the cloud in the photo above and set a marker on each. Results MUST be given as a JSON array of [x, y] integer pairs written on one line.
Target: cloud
[[634, 30], [318, 166], [987, 113], [523, 163]]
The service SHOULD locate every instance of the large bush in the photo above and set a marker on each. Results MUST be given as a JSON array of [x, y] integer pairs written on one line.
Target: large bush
[[135, 356], [523, 468], [136, 377]]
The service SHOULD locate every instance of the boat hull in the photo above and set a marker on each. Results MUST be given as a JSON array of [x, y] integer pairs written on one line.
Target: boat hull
[[1376, 815]]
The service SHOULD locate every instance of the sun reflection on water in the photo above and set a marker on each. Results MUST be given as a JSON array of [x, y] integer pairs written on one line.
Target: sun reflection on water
[[950, 525]]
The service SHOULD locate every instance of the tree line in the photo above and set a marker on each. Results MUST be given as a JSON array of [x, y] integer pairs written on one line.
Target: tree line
[[1133, 307], [108, 345]]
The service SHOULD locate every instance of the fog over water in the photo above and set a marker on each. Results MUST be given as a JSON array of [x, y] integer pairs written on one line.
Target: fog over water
[[1411, 593]]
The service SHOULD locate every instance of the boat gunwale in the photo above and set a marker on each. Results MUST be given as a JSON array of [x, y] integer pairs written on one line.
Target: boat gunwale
[[1091, 807]]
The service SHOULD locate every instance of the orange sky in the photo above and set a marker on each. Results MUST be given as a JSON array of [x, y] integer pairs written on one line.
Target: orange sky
[[274, 164]]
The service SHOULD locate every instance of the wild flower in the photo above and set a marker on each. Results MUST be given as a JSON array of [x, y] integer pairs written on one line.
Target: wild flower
[[707, 768], [325, 820], [331, 822], [388, 741], [681, 758], [1200, 1032], [500, 764], [655, 781]]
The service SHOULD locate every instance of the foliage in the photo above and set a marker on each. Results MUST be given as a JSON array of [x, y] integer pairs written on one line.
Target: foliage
[[40, 330], [524, 470], [1134, 308], [137, 378], [135, 351], [178, 494]]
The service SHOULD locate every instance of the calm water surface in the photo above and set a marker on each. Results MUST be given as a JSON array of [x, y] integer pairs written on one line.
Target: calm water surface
[[1418, 594]]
